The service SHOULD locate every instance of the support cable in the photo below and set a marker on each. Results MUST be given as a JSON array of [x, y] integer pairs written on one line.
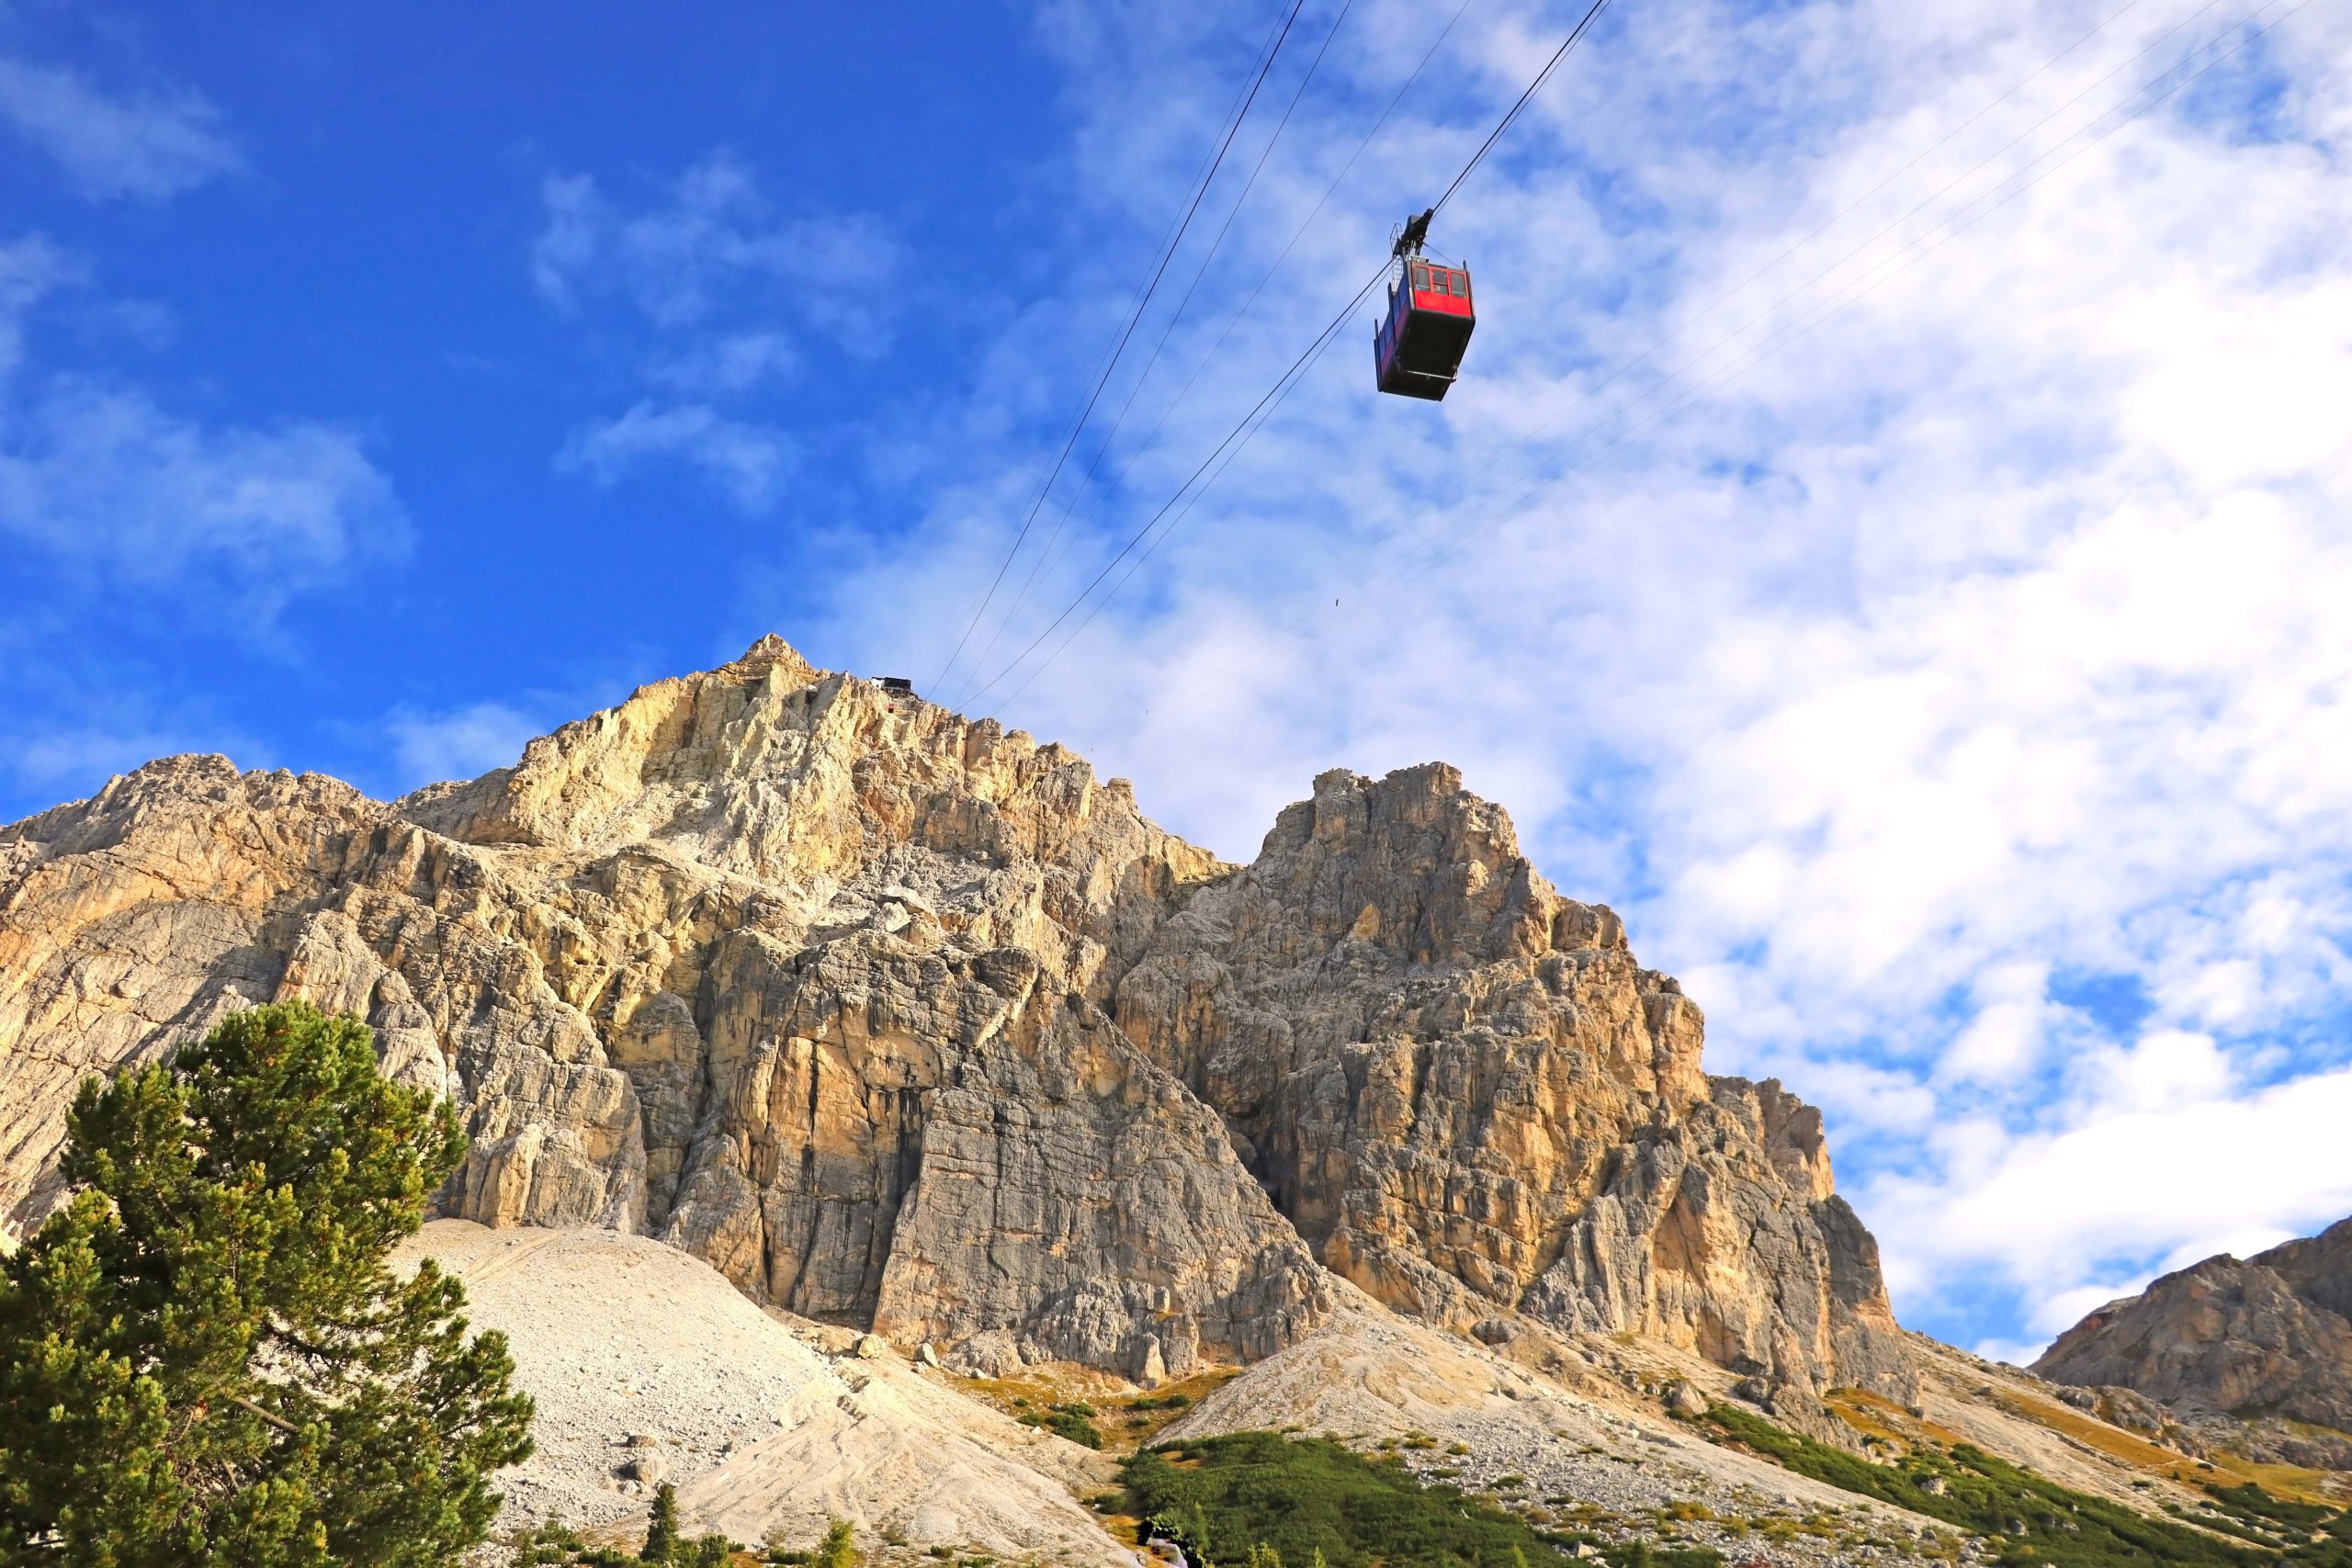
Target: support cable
[[1281, 386], [1264, 66], [1328, 191], [1086, 481]]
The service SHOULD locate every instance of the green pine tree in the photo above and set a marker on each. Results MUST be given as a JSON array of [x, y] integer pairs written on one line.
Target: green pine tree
[[1197, 1534], [661, 1525], [838, 1549], [205, 1359]]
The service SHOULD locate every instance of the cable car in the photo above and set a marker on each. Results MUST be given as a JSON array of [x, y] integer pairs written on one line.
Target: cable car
[[1417, 349]]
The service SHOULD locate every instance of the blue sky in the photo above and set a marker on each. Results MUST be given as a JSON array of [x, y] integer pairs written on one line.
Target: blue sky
[[1887, 542]]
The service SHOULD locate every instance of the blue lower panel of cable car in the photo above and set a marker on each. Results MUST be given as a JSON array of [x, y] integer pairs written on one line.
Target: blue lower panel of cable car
[[1417, 350]]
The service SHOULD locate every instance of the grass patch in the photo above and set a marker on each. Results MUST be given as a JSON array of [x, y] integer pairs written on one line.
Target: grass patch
[[1225, 1496], [2308, 1533], [1127, 1420], [1073, 1420], [2030, 1519], [2139, 1452]]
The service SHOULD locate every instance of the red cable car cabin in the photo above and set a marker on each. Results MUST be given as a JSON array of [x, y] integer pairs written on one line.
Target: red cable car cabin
[[1418, 348]]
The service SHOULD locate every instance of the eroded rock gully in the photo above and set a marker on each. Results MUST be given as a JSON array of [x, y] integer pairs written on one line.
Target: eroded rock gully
[[900, 1020]]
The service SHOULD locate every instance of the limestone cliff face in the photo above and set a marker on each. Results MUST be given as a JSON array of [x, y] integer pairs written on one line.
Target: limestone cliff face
[[2270, 1336], [1469, 1098], [901, 1019]]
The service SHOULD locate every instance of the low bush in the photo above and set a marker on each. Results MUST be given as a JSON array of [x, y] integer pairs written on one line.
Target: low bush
[[1074, 1421], [1299, 1496], [1161, 1402], [2035, 1521]]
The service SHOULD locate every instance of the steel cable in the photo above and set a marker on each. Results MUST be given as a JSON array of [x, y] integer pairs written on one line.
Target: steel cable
[[1265, 65], [1282, 386]]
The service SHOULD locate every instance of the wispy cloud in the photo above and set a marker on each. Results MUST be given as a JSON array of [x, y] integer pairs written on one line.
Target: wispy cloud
[[715, 245], [721, 292], [728, 364], [460, 743], [75, 714], [746, 463], [46, 757], [100, 479], [142, 146], [111, 485], [30, 269]]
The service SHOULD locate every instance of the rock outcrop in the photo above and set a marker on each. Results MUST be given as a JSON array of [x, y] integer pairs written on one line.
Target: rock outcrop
[[1466, 1094], [904, 1022], [2268, 1336]]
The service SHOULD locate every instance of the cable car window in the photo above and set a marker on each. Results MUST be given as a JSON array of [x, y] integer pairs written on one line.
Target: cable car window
[[1420, 276], [1461, 286]]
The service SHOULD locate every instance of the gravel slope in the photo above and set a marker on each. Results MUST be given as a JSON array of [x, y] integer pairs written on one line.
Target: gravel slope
[[635, 1350], [1371, 1374]]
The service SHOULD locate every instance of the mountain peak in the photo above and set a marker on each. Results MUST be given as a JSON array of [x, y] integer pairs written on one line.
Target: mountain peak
[[901, 1019], [770, 652]]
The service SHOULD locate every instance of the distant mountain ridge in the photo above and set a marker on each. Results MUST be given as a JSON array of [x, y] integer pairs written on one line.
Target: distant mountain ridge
[[2264, 1337], [906, 1022]]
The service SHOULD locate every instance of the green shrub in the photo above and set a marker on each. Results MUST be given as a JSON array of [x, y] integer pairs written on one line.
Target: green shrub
[[838, 1549], [1161, 1402], [1641, 1554], [1295, 1497], [2039, 1520], [1073, 1421]]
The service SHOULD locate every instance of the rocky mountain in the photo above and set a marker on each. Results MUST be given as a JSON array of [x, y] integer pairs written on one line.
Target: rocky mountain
[[906, 1022], [2269, 1336]]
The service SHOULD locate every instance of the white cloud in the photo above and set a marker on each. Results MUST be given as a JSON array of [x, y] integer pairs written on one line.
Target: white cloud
[[143, 146], [2169, 1070], [30, 269], [721, 287], [1894, 663], [459, 744], [746, 463], [2198, 1176], [106, 481], [567, 243], [734, 362], [716, 246]]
